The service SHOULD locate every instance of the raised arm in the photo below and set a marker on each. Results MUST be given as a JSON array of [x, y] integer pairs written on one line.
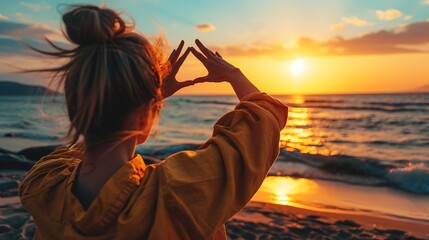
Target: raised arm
[[203, 189]]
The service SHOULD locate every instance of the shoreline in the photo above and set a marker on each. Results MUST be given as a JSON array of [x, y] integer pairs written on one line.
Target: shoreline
[[261, 220], [410, 227]]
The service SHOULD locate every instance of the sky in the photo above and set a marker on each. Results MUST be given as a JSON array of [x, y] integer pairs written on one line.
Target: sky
[[283, 46]]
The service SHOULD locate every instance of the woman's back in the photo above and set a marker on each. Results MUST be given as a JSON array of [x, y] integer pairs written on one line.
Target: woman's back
[[189, 195]]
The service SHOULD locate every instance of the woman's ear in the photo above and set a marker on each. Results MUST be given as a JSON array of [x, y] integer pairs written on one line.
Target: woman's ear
[[147, 113]]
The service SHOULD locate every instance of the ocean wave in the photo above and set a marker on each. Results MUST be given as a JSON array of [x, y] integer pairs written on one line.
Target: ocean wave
[[405, 175], [412, 142], [19, 124], [400, 104], [413, 177], [322, 101]]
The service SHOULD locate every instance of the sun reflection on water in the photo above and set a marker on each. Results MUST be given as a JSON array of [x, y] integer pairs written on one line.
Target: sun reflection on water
[[281, 190], [302, 132]]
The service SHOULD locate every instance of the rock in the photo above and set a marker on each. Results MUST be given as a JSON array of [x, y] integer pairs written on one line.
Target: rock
[[395, 232], [11, 160], [365, 235], [12, 235], [411, 238], [4, 228], [6, 184], [15, 220], [343, 235], [347, 223], [302, 232], [28, 230], [35, 153]]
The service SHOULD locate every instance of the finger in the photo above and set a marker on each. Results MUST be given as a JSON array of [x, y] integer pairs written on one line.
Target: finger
[[179, 62], [201, 79], [203, 48], [198, 55], [179, 48], [171, 57], [176, 52]]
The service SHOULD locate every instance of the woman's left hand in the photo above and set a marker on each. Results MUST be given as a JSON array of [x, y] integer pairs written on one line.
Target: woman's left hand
[[170, 85]]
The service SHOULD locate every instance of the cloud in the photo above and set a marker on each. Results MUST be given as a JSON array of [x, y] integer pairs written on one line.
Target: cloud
[[349, 20], [388, 14], [408, 17], [22, 17], [36, 6], [425, 2], [406, 40], [205, 27], [24, 30], [337, 26], [3, 17], [14, 34], [355, 21]]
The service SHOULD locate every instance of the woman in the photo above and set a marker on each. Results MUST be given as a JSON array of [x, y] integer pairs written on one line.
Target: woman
[[99, 188]]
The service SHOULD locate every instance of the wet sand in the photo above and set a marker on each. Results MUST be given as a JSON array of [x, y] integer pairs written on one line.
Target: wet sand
[[271, 221]]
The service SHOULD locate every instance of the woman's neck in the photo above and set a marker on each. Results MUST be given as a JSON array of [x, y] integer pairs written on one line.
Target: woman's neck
[[98, 166], [105, 155]]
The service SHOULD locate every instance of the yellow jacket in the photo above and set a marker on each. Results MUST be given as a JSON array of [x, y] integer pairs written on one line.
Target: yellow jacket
[[189, 195]]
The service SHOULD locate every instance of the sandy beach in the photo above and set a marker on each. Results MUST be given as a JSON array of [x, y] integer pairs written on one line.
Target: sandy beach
[[272, 221], [261, 221]]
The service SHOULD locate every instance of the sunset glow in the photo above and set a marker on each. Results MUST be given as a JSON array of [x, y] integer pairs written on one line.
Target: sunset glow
[[297, 67], [284, 47]]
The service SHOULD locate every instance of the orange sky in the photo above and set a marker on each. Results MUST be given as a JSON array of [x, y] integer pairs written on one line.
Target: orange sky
[[284, 47], [339, 74]]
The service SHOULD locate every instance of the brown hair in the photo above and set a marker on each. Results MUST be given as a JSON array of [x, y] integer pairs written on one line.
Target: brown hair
[[111, 71]]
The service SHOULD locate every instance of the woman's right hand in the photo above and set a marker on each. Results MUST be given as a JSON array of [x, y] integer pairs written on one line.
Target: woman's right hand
[[218, 69]]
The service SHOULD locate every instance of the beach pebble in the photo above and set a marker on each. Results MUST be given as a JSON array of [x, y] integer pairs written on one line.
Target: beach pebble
[[394, 232], [301, 232], [343, 235], [347, 223]]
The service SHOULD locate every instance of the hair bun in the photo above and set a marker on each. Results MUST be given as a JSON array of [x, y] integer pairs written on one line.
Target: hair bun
[[92, 25]]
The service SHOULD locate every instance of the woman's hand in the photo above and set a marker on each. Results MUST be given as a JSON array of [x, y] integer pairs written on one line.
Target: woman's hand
[[218, 69], [170, 85]]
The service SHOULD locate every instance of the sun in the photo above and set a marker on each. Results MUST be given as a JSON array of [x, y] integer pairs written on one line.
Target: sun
[[296, 67]]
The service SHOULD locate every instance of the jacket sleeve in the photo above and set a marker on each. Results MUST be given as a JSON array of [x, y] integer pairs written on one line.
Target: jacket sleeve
[[203, 189]]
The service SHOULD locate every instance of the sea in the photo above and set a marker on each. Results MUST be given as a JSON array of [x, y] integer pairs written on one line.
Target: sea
[[376, 141]]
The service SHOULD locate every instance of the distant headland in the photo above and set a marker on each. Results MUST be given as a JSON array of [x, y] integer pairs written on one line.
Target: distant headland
[[8, 88], [424, 89]]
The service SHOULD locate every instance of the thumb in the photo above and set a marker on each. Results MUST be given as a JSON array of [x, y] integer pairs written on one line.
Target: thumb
[[186, 83]]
